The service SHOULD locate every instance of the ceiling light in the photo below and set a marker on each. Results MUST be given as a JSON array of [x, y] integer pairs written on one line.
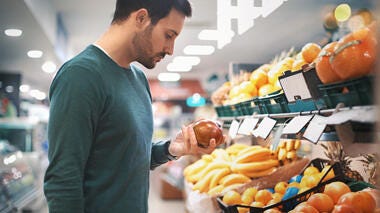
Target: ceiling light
[[199, 50], [35, 53], [13, 32], [342, 12], [24, 88], [169, 76], [175, 67], [189, 60], [49, 67], [37, 94]]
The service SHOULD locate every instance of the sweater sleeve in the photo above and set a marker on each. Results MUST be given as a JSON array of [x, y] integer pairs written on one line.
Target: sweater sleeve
[[76, 102], [159, 154]]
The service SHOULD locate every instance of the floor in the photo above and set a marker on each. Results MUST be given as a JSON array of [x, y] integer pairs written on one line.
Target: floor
[[158, 205]]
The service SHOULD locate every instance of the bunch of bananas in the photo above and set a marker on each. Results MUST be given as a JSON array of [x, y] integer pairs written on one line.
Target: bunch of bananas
[[287, 150], [227, 169]]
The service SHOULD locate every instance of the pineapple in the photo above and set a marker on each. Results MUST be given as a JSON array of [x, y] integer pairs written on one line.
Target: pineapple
[[335, 153], [372, 162]]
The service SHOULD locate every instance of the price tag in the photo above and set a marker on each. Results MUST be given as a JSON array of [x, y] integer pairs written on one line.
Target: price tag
[[247, 126], [315, 129], [296, 124], [233, 129], [265, 127]]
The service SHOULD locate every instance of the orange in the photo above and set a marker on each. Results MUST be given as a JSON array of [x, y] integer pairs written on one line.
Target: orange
[[329, 175], [266, 89], [309, 181], [257, 204], [305, 208], [277, 196], [336, 189], [281, 187], [243, 210], [248, 195], [310, 52], [231, 198], [294, 184], [322, 202], [351, 61], [235, 91], [297, 65], [367, 203], [323, 67], [344, 208], [274, 210], [248, 87], [259, 78], [311, 170], [263, 196]]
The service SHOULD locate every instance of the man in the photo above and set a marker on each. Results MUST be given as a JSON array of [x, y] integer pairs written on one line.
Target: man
[[101, 125]]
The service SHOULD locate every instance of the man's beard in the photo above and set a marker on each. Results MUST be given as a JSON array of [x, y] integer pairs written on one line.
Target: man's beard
[[142, 43]]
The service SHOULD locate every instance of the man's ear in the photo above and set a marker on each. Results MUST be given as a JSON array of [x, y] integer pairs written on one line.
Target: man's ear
[[142, 18]]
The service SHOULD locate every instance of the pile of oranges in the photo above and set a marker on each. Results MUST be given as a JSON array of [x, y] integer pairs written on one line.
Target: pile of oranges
[[338, 198]]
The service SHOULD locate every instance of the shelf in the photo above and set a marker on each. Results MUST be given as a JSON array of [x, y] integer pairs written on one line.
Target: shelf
[[326, 112]]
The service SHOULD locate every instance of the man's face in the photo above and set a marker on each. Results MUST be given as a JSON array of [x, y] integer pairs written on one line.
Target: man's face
[[155, 41]]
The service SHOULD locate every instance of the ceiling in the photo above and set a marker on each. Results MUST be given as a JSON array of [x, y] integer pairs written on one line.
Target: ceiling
[[294, 23]]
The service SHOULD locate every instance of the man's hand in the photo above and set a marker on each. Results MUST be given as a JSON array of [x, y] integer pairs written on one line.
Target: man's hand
[[185, 143]]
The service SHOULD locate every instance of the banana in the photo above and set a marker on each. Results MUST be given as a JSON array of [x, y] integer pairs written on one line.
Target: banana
[[290, 145], [291, 155], [233, 179], [231, 187], [282, 154], [215, 191], [260, 173], [211, 166], [254, 166], [248, 149], [194, 168], [218, 176], [297, 144], [221, 154], [281, 144], [207, 158], [203, 184], [235, 148], [254, 155]]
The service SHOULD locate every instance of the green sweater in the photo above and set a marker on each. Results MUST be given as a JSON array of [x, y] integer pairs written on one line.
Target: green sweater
[[100, 132]]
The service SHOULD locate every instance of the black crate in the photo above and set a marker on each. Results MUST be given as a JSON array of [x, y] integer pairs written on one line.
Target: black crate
[[226, 111], [249, 107], [272, 104], [291, 203], [355, 92]]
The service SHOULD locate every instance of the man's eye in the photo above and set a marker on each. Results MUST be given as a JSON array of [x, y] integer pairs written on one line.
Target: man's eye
[[169, 36]]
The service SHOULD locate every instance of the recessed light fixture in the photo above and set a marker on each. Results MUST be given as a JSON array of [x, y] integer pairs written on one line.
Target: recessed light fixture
[[35, 53], [177, 67], [24, 88], [13, 32], [37, 94], [49, 67], [342, 12], [199, 50], [169, 76]]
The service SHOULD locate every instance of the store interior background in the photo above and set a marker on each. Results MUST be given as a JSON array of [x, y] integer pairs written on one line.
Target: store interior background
[[61, 29]]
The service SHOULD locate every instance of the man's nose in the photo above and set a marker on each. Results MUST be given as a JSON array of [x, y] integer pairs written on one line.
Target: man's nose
[[170, 48]]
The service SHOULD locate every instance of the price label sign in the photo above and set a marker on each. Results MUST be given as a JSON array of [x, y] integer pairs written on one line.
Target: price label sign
[[247, 126], [296, 124], [234, 129], [315, 129], [265, 127]]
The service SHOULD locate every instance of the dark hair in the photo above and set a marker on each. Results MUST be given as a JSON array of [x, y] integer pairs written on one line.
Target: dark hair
[[157, 9]]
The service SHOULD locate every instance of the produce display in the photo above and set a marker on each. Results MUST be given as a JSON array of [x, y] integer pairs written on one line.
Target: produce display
[[232, 175], [226, 169]]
